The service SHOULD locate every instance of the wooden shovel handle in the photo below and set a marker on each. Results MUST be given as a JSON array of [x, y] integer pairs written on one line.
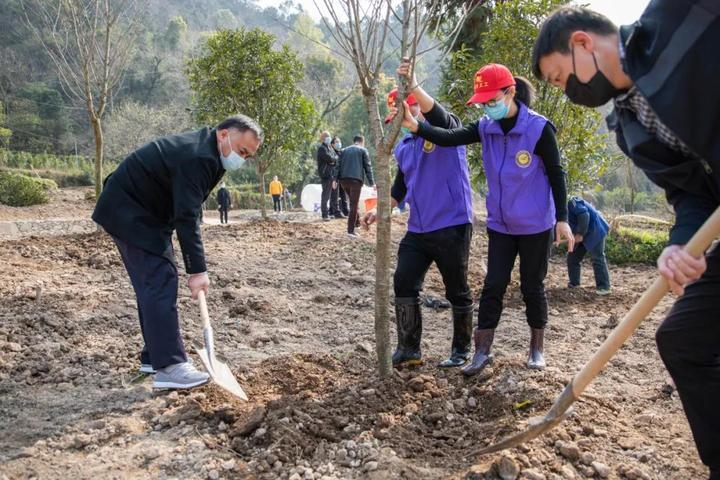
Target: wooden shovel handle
[[649, 300], [203, 309]]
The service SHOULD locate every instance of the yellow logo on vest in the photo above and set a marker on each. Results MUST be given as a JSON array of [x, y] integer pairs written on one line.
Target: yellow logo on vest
[[523, 159], [428, 146]]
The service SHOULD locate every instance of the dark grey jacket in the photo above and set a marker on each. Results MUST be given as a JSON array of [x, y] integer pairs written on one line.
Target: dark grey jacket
[[355, 163], [159, 188], [671, 56]]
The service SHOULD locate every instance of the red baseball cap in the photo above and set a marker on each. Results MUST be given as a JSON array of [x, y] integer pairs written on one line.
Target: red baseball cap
[[489, 80], [392, 98]]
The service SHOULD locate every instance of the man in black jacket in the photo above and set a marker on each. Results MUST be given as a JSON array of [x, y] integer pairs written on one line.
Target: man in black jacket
[[327, 170], [223, 201], [157, 189], [354, 167], [660, 73]]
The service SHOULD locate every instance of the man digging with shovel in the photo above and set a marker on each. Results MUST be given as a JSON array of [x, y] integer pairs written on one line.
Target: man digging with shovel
[[157, 189], [660, 74]]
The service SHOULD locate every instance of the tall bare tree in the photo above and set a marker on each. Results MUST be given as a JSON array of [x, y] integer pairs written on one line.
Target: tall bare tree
[[90, 44], [363, 29]]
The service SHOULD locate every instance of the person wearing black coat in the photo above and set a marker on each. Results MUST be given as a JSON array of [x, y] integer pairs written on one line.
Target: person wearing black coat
[[158, 189], [342, 204], [327, 160], [659, 72], [354, 167], [223, 201]]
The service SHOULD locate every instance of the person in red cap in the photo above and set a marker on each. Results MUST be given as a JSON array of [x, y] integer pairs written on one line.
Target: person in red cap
[[526, 200], [436, 182]]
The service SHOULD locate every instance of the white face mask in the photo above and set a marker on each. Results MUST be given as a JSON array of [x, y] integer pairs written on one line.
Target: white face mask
[[234, 160]]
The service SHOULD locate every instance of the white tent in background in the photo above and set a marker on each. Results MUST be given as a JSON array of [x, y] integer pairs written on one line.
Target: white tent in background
[[310, 197]]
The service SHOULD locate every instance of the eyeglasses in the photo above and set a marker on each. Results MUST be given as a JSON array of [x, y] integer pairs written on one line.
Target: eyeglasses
[[492, 102]]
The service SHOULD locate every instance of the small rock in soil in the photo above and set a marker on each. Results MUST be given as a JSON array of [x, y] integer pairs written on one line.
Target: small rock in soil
[[602, 470], [507, 469]]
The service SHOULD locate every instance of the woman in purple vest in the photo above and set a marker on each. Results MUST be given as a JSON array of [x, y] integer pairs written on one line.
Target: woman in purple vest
[[526, 200], [435, 182]]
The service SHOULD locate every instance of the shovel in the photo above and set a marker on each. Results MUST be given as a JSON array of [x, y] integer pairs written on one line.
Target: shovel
[[218, 371], [652, 296]]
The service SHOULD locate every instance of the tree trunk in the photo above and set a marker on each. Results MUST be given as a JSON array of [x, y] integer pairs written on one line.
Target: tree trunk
[[382, 253], [98, 135], [262, 195]]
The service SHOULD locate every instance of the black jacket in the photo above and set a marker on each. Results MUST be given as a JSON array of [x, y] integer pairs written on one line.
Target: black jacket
[[671, 56], [160, 188], [326, 161], [355, 163], [223, 198]]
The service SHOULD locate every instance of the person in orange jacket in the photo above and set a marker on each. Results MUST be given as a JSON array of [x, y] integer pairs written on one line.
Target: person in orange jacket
[[276, 190]]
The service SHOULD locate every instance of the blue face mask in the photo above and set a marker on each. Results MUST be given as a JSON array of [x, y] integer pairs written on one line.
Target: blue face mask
[[497, 111], [233, 161]]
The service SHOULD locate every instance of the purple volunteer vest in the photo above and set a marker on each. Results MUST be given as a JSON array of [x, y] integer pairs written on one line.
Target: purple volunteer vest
[[438, 184], [519, 200]]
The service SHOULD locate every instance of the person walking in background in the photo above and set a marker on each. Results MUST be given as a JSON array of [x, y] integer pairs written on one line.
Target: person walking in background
[[526, 202], [354, 167], [223, 201], [590, 230], [342, 206], [659, 72], [158, 189], [439, 230], [327, 171], [276, 190], [287, 198]]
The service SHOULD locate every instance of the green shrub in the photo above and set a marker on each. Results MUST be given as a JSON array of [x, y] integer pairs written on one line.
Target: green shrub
[[19, 190], [630, 245]]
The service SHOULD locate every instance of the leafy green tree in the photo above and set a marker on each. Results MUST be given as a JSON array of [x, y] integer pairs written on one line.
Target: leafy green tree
[[512, 30], [240, 71], [176, 33], [5, 134], [224, 18]]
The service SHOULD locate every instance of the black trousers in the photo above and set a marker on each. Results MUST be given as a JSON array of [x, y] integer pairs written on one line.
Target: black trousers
[[449, 248], [223, 215], [155, 281], [534, 251], [353, 188], [276, 203], [343, 200], [689, 345], [328, 195]]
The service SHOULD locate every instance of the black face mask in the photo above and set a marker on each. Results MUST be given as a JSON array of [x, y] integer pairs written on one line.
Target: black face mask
[[597, 91]]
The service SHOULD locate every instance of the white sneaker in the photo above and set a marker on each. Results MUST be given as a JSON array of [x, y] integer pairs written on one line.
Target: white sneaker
[[353, 235], [180, 375], [146, 368], [602, 291]]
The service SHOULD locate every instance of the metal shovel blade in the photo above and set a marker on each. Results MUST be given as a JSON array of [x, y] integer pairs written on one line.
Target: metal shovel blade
[[221, 374], [218, 371], [696, 247], [557, 414]]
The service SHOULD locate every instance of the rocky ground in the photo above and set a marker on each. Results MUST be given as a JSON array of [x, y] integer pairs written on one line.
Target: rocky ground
[[292, 306]]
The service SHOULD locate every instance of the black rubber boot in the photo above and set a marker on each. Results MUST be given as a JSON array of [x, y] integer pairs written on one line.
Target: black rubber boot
[[462, 337], [536, 360], [408, 318], [482, 357]]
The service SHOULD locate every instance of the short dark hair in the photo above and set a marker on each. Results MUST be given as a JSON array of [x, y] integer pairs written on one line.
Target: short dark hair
[[242, 123], [358, 138], [524, 91], [555, 31]]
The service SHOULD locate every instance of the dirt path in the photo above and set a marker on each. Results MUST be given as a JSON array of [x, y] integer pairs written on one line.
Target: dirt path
[[292, 305]]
